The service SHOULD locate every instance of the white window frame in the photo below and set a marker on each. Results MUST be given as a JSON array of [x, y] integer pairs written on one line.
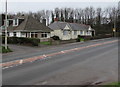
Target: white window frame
[[66, 32], [15, 22], [45, 35]]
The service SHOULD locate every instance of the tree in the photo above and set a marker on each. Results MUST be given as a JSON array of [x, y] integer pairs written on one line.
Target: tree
[[66, 15], [47, 16], [62, 17], [52, 16]]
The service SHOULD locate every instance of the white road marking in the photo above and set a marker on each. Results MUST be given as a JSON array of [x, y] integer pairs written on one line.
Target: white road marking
[[21, 61], [5, 67], [62, 52], [44, 55]]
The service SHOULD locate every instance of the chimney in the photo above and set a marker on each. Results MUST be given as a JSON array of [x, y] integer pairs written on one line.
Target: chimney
[[56, 19], [44, 21]]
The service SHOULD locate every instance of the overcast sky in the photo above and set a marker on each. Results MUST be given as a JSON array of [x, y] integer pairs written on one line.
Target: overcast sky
[[36, 5]]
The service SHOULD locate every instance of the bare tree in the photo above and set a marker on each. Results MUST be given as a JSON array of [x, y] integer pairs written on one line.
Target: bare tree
[[47, 13]]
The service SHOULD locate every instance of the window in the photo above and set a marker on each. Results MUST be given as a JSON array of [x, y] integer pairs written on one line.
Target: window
[[81, 32], [20, 21], [7, 33], [23, 34], [87, 32], [15, 23], [10, 22], [75, 32], [14, 34], [36, 35], [32, 35], [43, 35], [65, 32]]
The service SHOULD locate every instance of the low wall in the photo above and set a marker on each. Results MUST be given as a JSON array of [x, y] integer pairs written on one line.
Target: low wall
[[57, 42]]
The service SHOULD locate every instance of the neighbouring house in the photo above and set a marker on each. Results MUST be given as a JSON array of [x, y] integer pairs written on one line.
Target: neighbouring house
[[27, 26], [67, 31]]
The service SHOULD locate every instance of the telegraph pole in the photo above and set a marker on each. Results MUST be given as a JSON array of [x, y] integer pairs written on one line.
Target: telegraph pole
[[114, 29], [6, 24], [118, 19]]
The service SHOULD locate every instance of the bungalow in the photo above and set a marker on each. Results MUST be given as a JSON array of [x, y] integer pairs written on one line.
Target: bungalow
[[27, 26], [67, 31]]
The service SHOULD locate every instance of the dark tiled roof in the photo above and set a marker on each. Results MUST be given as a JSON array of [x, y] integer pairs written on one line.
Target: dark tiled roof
[[30, 24], [74, 26], [57, 25]]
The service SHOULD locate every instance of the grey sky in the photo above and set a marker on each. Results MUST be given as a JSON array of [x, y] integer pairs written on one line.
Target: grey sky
[[35, 6]]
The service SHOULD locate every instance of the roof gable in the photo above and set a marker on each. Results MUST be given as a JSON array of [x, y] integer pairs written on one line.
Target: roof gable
[[67, 27]]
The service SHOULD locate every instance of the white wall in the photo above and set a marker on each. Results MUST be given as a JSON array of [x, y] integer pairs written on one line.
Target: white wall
[[59, 33], [48, 35], [11, 34], [18, 34], [23, 34]]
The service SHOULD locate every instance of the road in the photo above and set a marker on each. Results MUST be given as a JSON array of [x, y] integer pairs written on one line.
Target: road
[[74, 67]]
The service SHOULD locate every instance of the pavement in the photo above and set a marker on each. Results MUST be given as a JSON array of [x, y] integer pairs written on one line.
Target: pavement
[[93, 62]]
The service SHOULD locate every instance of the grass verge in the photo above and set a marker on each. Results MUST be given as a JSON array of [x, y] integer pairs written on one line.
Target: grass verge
[[45, 43], [114, 84]]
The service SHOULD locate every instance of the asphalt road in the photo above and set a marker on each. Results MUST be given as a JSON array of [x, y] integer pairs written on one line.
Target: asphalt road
[[42, 70], [21, 52]]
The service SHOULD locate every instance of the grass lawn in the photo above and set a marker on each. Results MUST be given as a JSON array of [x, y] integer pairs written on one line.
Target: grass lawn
[[3, 50], [45, 43], [114, 84]]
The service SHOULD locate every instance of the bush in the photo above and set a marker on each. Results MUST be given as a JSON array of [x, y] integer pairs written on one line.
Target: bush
[[55, 38], [34, 41], [92, 38], [45, 43], [22, 40], [3, 50], [80, 38]]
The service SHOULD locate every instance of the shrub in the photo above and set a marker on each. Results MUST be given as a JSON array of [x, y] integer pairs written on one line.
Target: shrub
[[3, 50], [55, 38], [22, 40], [92, 38], [45, 43], [34, 41], [80, 38]]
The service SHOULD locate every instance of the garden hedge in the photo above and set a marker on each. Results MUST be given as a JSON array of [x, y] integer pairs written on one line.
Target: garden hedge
[[22, 40], [92, 38]]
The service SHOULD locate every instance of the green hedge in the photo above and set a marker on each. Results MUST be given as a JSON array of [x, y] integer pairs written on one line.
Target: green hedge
[[22, 40], [92, 38], [45, 43]]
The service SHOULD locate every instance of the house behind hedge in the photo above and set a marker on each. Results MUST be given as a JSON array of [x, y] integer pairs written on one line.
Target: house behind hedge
[[67, 31], [27, 26]]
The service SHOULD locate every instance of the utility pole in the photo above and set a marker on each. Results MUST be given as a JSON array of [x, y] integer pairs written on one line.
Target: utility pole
[[6, 25], [114, 27], [118, 18]]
